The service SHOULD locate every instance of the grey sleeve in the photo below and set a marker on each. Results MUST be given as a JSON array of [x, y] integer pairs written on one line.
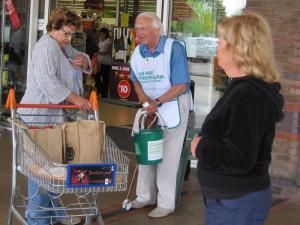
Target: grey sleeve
[[72, 52], [46, 69]]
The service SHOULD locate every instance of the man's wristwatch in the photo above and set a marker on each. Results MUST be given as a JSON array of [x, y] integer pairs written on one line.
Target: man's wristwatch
[[159, 104]]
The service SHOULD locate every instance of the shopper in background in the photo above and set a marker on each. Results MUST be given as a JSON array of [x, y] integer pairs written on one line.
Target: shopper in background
[[234, 145], [160, 75], [92, 39], [50, 80], [104, 61], [17, 45]]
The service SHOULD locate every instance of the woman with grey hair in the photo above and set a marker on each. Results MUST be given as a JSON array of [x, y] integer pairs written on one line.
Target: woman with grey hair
[[51, 79]]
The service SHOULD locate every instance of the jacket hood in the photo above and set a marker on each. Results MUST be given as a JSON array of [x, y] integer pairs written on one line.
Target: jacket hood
[[271, 91]]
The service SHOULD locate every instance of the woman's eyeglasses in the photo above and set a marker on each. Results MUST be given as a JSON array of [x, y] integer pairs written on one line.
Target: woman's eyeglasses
[[66, 34]]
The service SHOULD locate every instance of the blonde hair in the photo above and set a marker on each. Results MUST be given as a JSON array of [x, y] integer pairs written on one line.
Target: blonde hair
[[250, 38]]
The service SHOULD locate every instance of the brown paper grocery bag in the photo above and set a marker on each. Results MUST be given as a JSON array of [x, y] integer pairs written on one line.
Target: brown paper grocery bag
[[84, 141], [50, 140]]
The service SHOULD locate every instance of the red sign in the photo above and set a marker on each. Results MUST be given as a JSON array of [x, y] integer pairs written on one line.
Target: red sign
[[120, 86], [124, 88]]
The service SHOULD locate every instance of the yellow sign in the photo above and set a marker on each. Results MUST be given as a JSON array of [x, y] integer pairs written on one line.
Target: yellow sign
[[124, 19]]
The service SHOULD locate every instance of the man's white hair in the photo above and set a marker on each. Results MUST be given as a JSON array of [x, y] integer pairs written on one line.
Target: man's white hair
[[156, 23]]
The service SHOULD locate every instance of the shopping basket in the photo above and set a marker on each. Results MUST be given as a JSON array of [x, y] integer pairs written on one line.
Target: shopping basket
[[30, 160]]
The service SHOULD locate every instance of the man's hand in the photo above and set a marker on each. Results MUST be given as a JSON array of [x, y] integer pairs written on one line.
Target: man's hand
[[152, 108]]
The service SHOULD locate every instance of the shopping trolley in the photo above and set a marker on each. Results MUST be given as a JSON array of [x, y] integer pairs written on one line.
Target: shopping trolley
[[29, 159]]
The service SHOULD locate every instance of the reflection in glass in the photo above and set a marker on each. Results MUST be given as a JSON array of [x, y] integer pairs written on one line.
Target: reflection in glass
[[15, 52], [194, 23], [195, 17]]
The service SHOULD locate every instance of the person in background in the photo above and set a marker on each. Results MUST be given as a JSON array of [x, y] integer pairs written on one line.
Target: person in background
[[104, 61], [92, 39], [235, 142], [159, 72], [17, 44], [79, 40], [51, 78]]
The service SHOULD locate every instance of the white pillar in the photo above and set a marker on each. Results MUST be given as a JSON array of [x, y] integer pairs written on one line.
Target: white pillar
[[234, 7], [33, 23], [163, 12]]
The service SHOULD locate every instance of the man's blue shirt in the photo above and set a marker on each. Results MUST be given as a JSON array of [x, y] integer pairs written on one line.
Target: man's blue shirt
[[178, 63]]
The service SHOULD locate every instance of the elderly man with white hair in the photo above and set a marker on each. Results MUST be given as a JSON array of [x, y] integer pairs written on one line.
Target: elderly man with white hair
[[159, 71]]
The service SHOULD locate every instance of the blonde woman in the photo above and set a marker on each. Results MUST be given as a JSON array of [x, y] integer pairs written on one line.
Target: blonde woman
[[235, 142]]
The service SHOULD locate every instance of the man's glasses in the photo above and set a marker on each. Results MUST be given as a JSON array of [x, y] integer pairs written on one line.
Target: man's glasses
[[141, 28], [66, 34]]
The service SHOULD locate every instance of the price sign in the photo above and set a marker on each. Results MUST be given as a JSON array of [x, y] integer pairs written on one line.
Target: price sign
[[124, 88], [121, 87]]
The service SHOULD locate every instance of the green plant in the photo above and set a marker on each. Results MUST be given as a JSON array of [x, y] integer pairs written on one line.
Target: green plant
[[204, 11], [201, 20]]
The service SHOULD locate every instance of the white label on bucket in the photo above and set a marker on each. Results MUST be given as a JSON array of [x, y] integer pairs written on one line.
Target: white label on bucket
[[155, 150]]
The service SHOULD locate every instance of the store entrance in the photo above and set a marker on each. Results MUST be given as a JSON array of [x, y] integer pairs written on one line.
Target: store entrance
[[17, 42], [15, 51]]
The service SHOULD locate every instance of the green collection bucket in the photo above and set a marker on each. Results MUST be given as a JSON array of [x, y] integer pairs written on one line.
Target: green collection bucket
[[148, 145]]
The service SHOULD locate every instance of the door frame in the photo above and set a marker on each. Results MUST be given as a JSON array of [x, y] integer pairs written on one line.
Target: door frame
[[163, 11], [33, 24]]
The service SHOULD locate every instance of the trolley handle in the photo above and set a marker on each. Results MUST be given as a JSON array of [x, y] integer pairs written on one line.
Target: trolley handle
[[48, 106], [11, 103]]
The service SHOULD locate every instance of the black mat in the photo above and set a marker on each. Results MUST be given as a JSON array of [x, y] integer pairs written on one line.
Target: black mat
[[122, 137]]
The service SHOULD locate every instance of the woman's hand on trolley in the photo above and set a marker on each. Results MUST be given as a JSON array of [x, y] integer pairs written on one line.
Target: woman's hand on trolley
[[83, 103]]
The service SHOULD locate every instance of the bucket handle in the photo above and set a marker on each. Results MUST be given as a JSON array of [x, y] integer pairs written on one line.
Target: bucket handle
[[143, 121], [142, 112]]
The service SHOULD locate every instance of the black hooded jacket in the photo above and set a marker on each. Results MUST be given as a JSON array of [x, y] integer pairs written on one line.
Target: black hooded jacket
[[234, 152]]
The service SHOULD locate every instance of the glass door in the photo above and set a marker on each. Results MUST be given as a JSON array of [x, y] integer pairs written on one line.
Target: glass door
[[194, 22], [15, 51], [17, 43]]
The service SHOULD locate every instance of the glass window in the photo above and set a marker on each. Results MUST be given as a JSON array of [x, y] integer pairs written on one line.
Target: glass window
[[108, 13], [15, 51], [195, 23], [194, 17]]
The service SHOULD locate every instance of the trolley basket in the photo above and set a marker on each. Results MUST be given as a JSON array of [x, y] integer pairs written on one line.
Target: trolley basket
[[33, 162]]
